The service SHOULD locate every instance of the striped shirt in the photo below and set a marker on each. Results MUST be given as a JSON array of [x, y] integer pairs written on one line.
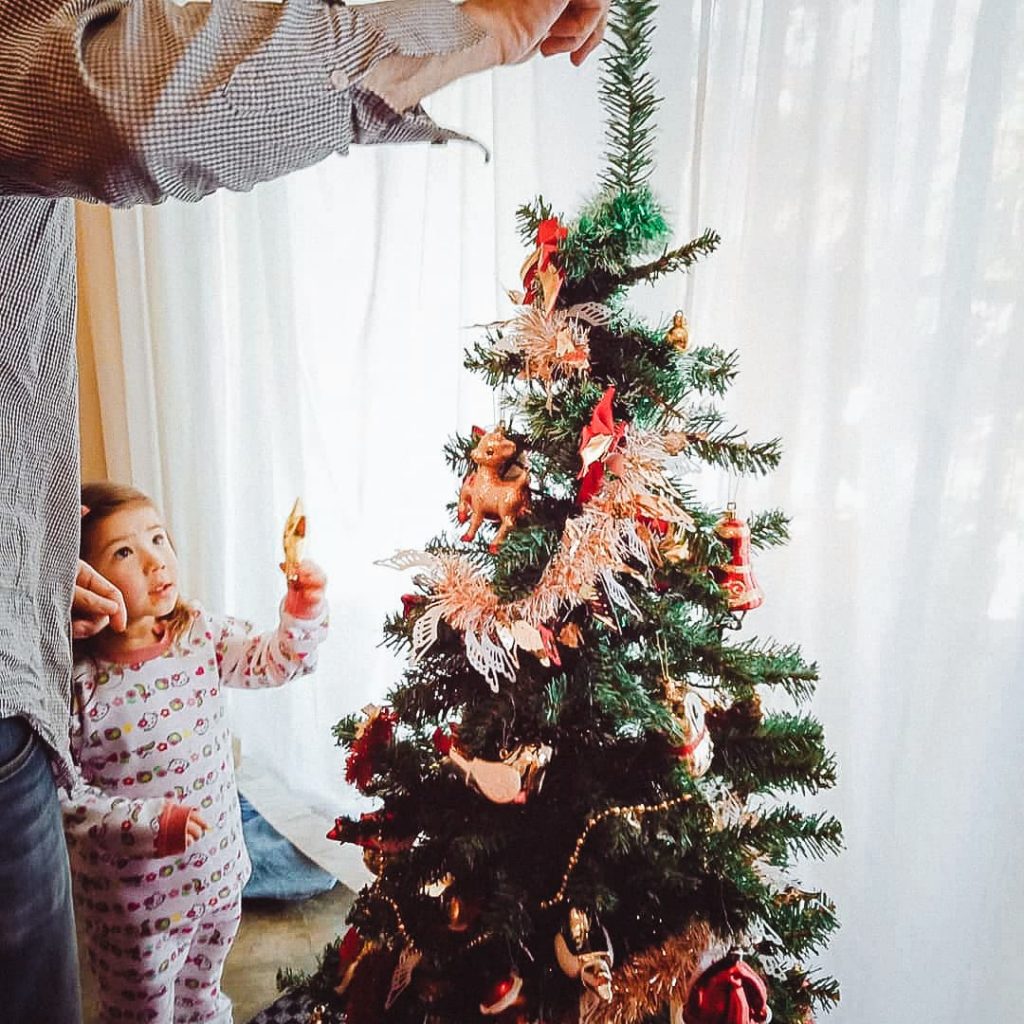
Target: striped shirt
[[126, 102]]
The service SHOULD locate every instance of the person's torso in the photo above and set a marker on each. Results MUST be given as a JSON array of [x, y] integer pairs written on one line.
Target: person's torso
[[158, 729], [39, 477]]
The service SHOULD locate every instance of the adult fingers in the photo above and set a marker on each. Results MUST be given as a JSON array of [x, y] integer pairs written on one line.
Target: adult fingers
[[574, 27], [580, 55], [96, 595], [82, 629]]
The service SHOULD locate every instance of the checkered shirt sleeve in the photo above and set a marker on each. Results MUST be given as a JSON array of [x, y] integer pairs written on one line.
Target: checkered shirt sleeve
[[132, 101]]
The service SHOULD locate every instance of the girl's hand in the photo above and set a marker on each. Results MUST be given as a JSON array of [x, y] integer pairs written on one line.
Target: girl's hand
[[194, 828], [180, 826], [306, 586]]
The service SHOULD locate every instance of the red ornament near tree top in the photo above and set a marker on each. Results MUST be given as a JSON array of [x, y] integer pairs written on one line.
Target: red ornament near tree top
[[540, 270], [736, 577]]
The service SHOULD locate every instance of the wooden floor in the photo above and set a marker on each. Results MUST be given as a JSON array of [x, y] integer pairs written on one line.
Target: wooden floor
[[272, 935]]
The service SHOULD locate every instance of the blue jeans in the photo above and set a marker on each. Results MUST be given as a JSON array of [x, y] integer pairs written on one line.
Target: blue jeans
[[38, 954]]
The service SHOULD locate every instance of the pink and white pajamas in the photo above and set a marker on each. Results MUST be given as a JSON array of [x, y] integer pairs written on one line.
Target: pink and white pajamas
[[159, 928]]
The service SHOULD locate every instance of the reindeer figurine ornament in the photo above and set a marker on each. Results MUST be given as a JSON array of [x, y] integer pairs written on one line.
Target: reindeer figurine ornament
[[498, 489]]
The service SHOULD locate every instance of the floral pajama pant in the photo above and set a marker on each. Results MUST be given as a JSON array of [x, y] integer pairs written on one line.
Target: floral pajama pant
[[172, 977]]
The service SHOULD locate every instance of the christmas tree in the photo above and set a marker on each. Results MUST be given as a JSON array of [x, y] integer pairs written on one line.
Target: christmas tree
[[585, 811]]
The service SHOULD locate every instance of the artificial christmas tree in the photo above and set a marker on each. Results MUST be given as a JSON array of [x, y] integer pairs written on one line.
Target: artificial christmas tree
[[581, 813]]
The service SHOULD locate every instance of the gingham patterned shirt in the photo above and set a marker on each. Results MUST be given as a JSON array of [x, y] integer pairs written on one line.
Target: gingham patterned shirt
[[125, 102]]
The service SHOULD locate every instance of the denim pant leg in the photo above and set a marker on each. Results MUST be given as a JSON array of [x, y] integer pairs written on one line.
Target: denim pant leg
[[38, 955]]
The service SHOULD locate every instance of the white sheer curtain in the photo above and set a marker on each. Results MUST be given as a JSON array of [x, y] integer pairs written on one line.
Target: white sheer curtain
[[863, 162]]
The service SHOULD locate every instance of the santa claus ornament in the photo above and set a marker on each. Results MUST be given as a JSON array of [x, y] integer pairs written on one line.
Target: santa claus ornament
[[736, 577], [584, 952], [697, 749], [728, 992]]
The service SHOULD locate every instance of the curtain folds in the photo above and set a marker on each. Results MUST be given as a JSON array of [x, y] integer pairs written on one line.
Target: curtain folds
[[863, 162]]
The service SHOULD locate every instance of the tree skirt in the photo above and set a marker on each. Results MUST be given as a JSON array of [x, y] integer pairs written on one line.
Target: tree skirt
[[291, 1008]]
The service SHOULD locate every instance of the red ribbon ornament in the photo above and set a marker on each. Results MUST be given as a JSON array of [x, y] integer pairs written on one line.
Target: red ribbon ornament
[[539, 267], [598, 443]]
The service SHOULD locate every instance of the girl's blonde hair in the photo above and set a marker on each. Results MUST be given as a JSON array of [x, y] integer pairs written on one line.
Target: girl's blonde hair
[[101, 500]]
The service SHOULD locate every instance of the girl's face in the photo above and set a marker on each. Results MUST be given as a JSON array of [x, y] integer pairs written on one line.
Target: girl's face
[[130, 548]]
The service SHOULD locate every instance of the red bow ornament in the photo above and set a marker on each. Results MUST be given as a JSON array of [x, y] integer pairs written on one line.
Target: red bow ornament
[[728, 992], [599, 442], [539, 267], [372, 737]]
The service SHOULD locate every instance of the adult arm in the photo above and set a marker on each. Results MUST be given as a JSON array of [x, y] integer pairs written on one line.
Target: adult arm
[[129, 101], [514, 30]]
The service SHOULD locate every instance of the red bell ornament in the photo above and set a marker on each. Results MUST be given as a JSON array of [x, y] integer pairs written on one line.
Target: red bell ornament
[[728, 992], [736, 577]]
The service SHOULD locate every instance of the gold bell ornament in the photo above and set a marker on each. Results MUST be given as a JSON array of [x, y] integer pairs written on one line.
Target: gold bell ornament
[[678, 335]]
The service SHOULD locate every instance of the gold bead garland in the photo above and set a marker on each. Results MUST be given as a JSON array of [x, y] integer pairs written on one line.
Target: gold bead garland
[[637, 810], [404, 932], [479, 940], [399, 922]]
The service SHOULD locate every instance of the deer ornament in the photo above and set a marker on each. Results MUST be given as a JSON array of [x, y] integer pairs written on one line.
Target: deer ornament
[[498, 489]]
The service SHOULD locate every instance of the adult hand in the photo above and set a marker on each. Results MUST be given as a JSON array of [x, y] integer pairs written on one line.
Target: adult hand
[[306, 587], [578, 30], [96, 604], [518, 28]]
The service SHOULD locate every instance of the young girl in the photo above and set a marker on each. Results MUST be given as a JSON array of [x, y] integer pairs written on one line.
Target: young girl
[[153, 826]]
